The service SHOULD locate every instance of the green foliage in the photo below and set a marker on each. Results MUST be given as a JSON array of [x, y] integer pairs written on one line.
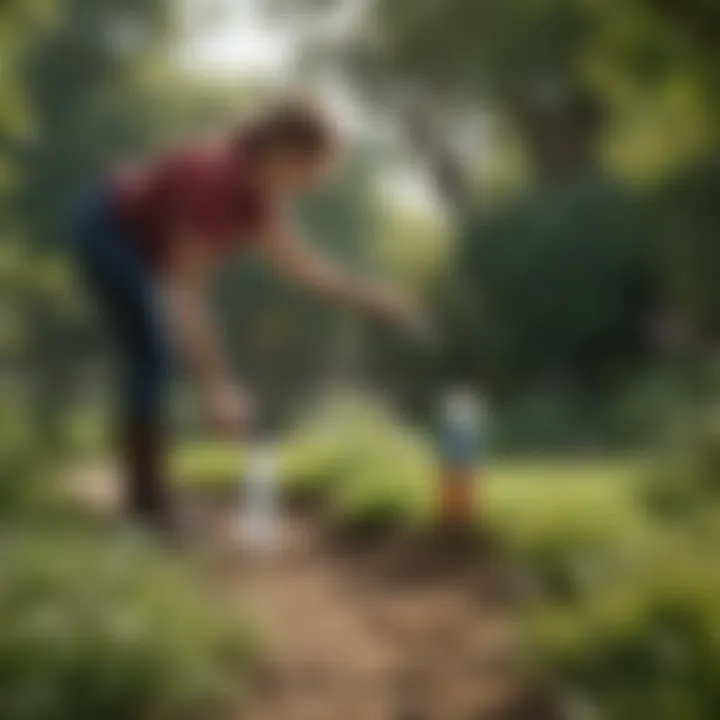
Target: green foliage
[[19, 458], [645, 640], [687, 225], [685, 478], [622, 606], [560, 264], [102, 626], [559, 289], [387, 483], [370, 473], [638, 631], [556, 520], [368, 470], [80, 83], [515, 54], [349, 457], [560, 279]]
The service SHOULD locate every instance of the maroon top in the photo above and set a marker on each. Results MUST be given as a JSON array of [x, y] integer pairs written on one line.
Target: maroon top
[[205, 191]]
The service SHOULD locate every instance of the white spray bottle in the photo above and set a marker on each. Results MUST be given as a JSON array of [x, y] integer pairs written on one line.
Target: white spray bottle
[[259, 512]]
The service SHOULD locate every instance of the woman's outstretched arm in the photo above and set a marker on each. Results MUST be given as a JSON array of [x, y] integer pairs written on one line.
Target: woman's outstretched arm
[[300, 262]]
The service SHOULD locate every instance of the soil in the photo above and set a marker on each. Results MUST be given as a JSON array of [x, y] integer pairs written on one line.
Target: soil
[[392, 629]]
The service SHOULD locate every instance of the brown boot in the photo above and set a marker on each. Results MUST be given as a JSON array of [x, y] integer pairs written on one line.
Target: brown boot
[[147, 497]]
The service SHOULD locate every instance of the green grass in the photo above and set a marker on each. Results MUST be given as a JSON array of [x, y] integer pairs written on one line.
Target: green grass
[[390, 479], [208, 464], [552, 519], [371, 474], [556, 518], [530, 490]]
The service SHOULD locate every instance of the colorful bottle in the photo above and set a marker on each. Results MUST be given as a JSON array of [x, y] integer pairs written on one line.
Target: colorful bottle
[[463, 434]]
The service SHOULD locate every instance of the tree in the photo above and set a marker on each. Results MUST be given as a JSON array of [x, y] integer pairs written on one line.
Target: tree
[[543, 64], [80, 81], [560, 281], [20, 24]]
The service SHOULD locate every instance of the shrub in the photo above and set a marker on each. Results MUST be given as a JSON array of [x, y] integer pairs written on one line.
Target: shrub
[[386, 485], [371, 472], [109, 627], [646, 644], [562, 524], [685, 478]]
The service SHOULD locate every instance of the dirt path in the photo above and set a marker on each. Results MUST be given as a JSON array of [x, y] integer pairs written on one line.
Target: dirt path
[[396, 631]]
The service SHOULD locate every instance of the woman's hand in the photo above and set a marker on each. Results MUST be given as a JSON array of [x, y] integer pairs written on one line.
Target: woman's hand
[[400, 310], [230, 410], [305, 265]]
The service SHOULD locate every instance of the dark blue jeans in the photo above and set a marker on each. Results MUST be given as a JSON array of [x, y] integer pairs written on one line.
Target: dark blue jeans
[[126, 291]]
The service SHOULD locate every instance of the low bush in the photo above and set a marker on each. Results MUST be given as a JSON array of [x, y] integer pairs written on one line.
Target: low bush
[[646, 643], [560, 524], [97, 625], [685, 478]]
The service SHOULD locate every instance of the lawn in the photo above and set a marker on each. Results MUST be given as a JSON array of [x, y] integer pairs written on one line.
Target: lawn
[[390, 478]]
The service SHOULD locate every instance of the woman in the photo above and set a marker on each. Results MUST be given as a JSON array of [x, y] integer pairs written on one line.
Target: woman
[[164, 228]]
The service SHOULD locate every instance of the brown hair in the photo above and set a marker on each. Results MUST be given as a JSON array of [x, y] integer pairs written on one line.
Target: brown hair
[[293, 125]]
